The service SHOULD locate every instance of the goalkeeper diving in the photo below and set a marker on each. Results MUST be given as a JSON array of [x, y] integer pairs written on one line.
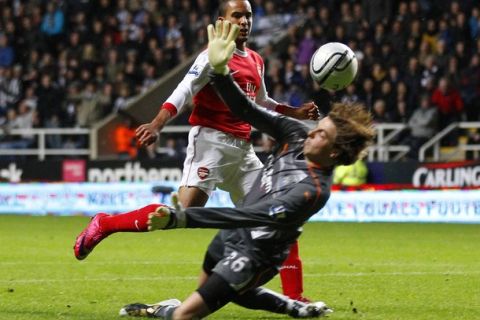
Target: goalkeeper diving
[[255, 237]]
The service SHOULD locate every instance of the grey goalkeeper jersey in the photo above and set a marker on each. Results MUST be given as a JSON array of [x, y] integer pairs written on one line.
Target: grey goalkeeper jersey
[[287, 192]]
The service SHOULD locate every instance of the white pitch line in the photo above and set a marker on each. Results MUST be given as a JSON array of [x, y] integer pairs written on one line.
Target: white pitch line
[[309, 275]]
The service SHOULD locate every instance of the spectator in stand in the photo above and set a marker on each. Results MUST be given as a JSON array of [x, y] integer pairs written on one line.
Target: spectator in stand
[[444, 32], [121, 102], [379, 35], [350, 96], [452, 73], [416, 30], [53, 24], [430, 35], [306, 48], [114, 66], [442, 55], [413, 77], [397, 37], [474, 23], [369, 94], [430, 70], [401, 92], [380, 113], [124, 137], [460, 30], [25, 119], [7, 55], [49, 108], [30, 98], [471, 88], [400, 112], [394, 76], [461, 54], [375, 11], [92, 107], [422, 126], [173, 150], [388, 95], [448, 101], [71, 104], [10, 89], [353, 175], [378, 73], [368, 57]]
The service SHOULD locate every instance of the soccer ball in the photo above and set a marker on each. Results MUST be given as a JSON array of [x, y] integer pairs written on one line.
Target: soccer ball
[[333, 66]]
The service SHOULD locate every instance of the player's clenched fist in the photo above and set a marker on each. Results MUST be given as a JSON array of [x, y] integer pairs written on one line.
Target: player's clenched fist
[[221, 44], [146, 134], [308, 111]]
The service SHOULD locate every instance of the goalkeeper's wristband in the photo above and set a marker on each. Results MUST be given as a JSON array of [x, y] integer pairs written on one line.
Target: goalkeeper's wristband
[[223, 70], [177, 219]]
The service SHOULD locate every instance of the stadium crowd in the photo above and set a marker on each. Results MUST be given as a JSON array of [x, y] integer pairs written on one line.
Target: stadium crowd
[[69, 63]]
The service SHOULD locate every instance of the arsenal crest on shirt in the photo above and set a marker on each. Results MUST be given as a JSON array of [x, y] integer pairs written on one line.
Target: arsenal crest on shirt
[[203, 173]]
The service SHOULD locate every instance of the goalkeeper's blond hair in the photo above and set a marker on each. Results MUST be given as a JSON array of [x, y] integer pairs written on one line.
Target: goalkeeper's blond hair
[[355, 131]]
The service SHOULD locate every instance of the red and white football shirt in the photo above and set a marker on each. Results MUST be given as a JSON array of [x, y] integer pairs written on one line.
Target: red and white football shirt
[[247, 69]]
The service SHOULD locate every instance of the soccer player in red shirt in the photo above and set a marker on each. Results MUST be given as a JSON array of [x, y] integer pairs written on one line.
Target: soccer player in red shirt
[[219, 152], [255, 237]]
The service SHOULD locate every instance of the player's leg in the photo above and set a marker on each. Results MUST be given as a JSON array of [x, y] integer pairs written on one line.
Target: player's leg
[[244, 275], [243, 169], [192, 196], [268, 300], [223, 274], [102, 225], [211, 296], [217, 292], [201, 172], [291, 275], [194, 304], [233, 273]]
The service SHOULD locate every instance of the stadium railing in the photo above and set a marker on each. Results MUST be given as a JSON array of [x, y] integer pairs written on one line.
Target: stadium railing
[[41, 149], [385, 148], [435, 142]]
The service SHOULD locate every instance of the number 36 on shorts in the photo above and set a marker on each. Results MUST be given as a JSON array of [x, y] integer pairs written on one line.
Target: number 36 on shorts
[[236, 261]]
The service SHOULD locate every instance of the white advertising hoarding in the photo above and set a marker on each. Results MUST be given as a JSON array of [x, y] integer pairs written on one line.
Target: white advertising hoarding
[[458, 206]]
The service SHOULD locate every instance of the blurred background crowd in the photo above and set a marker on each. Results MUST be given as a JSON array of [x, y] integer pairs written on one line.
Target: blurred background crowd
[[70, 63]]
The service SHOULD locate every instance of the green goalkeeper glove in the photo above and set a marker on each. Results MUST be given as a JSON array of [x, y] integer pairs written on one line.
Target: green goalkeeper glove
[[221, 44]]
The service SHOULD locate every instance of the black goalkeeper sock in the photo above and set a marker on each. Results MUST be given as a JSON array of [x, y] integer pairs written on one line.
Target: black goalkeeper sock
[[264, 299]]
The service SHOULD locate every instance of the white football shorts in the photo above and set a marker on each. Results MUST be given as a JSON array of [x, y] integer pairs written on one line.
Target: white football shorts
[[217, 159]]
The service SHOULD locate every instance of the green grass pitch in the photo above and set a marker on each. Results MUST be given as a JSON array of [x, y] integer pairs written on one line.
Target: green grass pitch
[[364, 271]]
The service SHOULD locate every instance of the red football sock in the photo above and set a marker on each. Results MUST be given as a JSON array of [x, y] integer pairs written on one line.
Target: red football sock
[[291, 274], [133, 221]]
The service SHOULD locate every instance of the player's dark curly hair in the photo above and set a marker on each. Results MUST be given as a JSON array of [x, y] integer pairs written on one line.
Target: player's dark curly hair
[[355, 131]]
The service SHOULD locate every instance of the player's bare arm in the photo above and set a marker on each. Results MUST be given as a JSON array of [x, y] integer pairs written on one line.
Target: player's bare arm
[[147, 133], [307, 111]]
